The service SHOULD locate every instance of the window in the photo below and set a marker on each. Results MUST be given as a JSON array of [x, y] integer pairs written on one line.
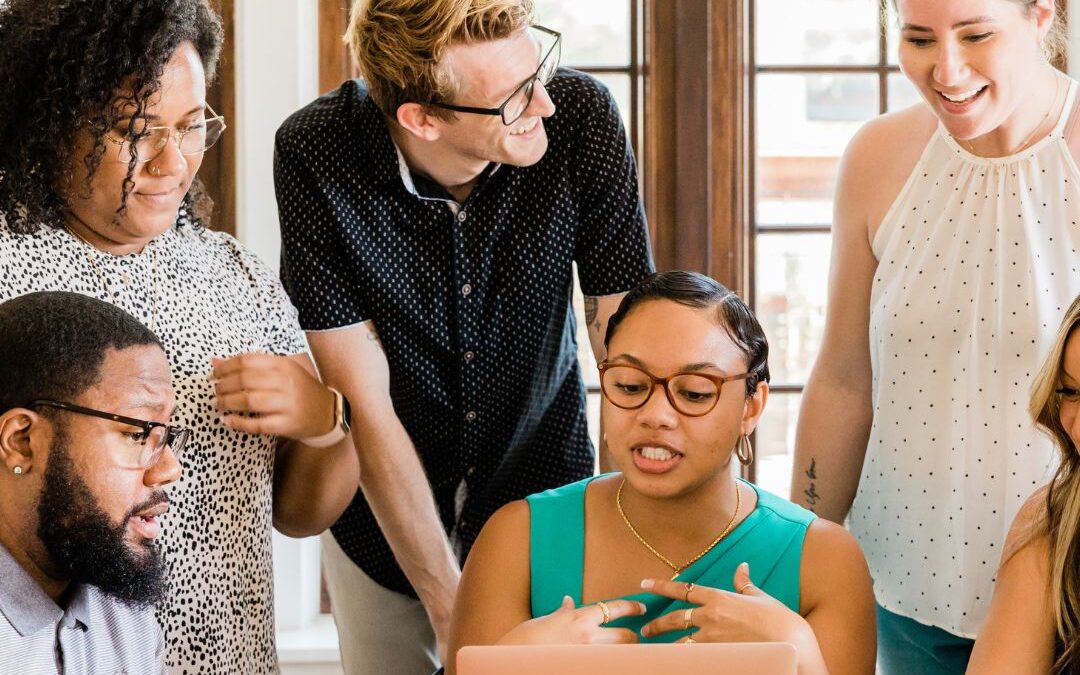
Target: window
[[599, 38], [819, 70]]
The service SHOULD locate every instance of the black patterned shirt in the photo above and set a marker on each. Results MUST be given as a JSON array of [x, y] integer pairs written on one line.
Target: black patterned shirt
[[471, 301]]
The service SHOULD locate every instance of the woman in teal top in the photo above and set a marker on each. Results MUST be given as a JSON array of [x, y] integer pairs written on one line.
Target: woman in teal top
[[673, 547]]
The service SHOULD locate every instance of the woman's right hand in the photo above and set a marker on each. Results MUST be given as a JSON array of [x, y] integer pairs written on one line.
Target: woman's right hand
[[580, 626]]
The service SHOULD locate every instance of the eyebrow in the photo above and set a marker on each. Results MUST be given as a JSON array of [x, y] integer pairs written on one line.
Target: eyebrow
[[154, 118], [689, 368], [959, 24]]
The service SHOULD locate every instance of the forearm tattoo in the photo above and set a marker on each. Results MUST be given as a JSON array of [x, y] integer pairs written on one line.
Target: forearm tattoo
[[592, 307], [811, 493]]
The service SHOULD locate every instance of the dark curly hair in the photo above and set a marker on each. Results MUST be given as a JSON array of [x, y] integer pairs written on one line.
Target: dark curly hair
[[62, 64], [697, 290]]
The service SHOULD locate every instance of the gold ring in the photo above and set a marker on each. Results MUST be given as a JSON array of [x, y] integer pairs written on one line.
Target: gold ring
[[603, 608], [689, 590], [688, 619], [745, 586], [690, 640]]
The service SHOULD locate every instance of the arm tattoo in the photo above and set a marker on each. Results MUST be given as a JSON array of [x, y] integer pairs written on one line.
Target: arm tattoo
[[811, 493], [592, 305]]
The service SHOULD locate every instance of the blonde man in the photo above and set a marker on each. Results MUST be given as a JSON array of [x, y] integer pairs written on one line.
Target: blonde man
[[431, 214]]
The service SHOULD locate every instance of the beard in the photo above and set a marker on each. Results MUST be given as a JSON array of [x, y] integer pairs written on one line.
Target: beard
[[83, 543]]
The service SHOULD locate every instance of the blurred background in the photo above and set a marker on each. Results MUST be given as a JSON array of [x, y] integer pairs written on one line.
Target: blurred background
[[738, 112]]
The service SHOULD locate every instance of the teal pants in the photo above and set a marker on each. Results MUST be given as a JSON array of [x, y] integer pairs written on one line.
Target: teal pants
[[907, 647]]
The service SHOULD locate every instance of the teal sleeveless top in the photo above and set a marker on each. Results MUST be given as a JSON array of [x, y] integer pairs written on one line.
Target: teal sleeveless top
[[770, 539]]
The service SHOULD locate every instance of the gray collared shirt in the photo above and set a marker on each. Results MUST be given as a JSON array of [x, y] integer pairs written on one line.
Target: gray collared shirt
[[94, 635]]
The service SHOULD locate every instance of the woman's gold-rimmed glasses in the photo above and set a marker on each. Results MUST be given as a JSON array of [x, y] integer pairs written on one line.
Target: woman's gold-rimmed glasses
[[194, 140]]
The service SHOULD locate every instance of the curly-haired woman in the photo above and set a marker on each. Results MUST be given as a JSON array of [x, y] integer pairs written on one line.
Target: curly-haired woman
[[103, 124], [1034, 620]]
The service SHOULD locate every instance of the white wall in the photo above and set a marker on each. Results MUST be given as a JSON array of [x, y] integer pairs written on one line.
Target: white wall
[[277, 73]]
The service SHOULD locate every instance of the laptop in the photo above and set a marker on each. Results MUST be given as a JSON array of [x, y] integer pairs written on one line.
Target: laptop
[[760, 658]]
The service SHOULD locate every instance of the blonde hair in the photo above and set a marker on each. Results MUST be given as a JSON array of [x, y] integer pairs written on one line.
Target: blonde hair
[[398, 44], [1055, 45], [1061, 521]]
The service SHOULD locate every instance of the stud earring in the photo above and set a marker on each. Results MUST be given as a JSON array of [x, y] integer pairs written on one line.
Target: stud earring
[[17, 471]]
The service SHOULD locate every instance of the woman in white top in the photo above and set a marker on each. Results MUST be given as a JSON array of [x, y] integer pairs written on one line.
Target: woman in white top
[[955, 252], [1034, 621]]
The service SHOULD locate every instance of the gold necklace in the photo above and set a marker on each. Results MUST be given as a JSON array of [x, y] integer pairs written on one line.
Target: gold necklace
[[678, 569], [1053, 104], [86, 246]]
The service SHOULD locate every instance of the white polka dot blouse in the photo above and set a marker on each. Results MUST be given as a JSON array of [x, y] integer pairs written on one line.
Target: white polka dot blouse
[[977, 263]]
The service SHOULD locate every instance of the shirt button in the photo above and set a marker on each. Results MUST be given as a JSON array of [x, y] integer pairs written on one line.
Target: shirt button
[[466, 289], [470, 416], [471, 471], [461, 216], [469, 356]]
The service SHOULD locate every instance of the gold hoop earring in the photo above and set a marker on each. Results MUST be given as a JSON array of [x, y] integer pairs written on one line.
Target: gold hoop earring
[[744, 450]]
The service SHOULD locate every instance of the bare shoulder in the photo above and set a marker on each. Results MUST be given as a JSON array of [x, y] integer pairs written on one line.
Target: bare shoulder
[[1028, 528], [879, 159], [892, 133], [507, 527], [828, 543], [831, 560]]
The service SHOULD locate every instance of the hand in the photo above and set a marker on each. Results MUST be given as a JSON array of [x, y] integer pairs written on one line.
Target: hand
[[271, 394], [749, 615], [581, 626]]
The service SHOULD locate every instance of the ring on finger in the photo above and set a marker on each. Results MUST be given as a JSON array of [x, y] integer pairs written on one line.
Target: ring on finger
[[688, 619], [745, 586], [689, 590], [690, 640], [604, 608]]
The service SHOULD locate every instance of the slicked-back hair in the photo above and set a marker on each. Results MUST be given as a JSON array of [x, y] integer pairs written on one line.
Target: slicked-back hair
[[62, 65], [699, 291], [398, 44], [53, 343]]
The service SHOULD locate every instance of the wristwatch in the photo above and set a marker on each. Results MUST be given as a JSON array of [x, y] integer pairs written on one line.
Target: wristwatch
[[342, 415]]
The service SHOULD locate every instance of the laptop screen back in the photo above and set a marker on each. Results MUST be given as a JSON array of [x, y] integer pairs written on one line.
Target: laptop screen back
[[772, 658]]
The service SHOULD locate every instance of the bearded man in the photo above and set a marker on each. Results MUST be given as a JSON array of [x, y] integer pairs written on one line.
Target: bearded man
[[85, 454]]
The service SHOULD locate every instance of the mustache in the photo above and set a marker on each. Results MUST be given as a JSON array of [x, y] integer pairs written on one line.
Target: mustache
[[158, 497]]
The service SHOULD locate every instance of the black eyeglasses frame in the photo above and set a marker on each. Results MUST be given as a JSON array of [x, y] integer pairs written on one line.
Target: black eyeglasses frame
[[501, 110], [175, 437]]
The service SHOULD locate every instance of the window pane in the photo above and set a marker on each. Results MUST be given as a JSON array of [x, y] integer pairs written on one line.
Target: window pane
[[816, 32], [595, 33], [791, 282], [620, 89], [902, 93], [774, 443], [803, 124], [892, 34]]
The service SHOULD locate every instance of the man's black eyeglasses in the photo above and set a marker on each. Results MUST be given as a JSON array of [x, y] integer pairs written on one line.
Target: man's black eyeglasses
[[154, 438], [518, 102]]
